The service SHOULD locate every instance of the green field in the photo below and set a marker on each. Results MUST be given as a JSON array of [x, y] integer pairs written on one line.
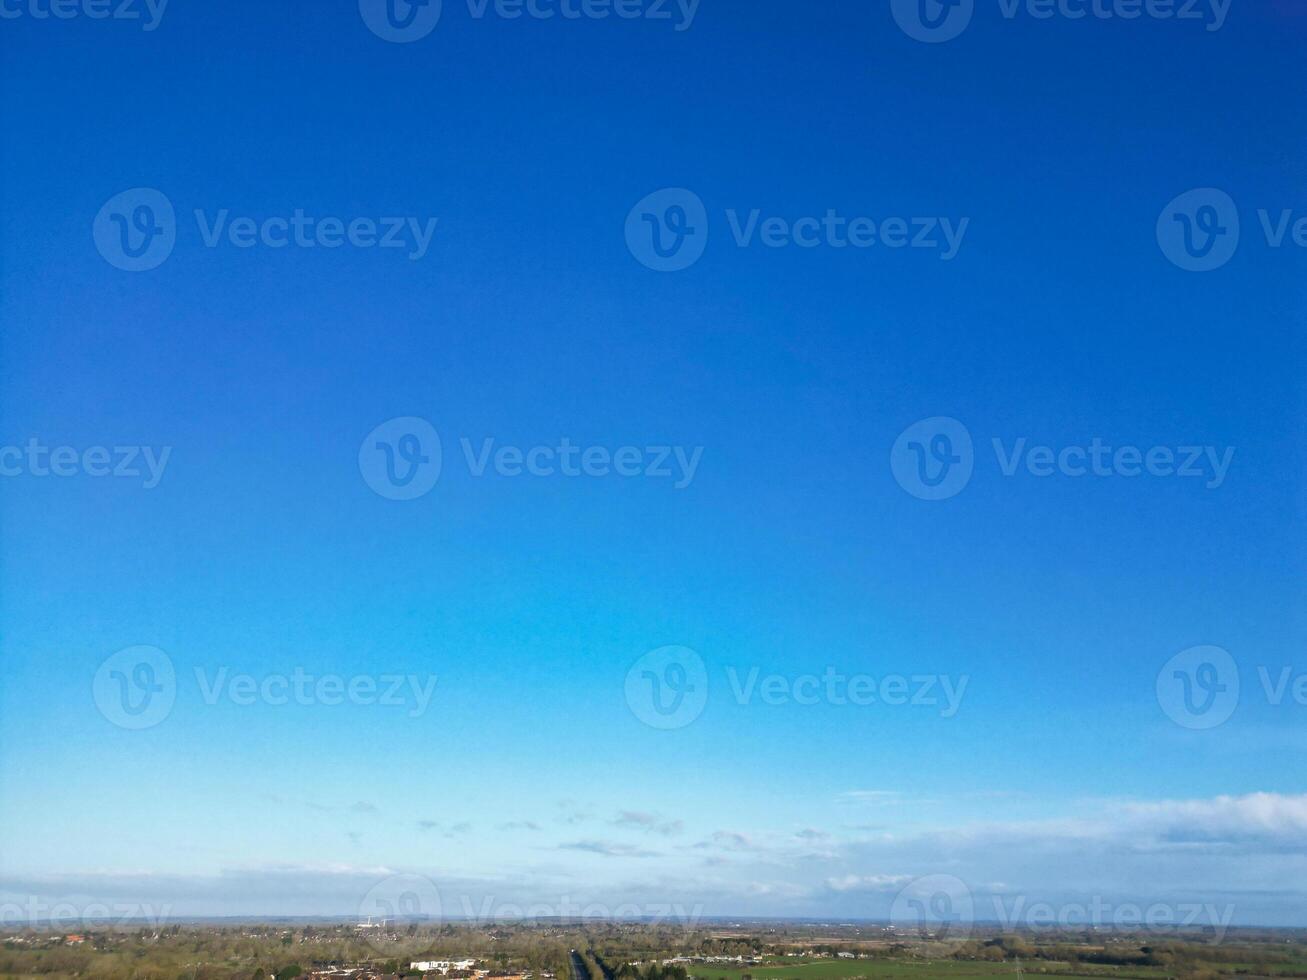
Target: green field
[[902, 969]]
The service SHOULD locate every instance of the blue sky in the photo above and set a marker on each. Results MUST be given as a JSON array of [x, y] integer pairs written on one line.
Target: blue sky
[[787, 373]]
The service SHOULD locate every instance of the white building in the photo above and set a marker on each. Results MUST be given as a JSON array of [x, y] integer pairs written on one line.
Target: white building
[[441, 966]]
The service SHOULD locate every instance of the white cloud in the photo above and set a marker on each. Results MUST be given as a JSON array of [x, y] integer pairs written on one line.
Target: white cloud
[[1235, 819], [867, 883], [874, 797], [649, 822], [608, 849], [1248, 850]]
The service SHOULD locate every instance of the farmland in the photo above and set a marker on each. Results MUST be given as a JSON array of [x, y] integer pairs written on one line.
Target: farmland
[[626, 950]]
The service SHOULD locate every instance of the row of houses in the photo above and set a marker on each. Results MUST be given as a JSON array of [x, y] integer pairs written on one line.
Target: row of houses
[[448, 968], [41, 939], [441, 966]]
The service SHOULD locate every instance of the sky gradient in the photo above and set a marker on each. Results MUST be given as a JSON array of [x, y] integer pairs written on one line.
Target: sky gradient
[[1049, 605]]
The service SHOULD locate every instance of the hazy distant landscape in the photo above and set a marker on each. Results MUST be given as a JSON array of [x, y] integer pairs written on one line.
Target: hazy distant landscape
[[640, 951]]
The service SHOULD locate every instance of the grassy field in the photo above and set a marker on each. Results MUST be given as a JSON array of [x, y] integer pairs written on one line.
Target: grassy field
[[901, 969]]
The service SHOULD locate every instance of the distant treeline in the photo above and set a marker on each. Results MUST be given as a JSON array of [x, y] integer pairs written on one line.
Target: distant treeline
[[652, 971]]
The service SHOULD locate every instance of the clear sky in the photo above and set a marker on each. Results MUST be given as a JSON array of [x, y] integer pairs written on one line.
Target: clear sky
[[789, 539]]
